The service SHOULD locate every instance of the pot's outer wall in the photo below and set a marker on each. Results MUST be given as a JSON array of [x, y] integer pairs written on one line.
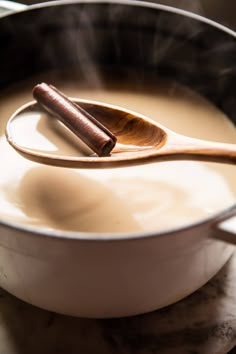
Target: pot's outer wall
[[120, 36]]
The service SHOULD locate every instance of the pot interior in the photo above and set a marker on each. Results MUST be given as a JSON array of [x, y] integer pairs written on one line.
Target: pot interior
[[149, 40]]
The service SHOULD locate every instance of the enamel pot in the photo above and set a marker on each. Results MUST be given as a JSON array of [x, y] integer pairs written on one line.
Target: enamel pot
[[91, 275]]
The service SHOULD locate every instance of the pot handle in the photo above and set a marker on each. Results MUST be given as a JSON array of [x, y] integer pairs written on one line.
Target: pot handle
[[7, 7], [225, 229]]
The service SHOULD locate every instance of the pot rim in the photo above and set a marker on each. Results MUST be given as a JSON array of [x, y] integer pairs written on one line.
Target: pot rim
[[121, 236], [135, 3]]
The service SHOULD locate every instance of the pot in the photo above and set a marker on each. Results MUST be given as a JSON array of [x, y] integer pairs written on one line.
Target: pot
[[88, 275]]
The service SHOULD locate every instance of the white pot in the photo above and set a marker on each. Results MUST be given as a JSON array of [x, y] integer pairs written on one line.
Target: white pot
[[84, 274]]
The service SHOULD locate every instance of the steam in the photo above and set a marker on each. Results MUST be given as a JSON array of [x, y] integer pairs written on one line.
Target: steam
[[79, 36], [81, 41], [85, 45]]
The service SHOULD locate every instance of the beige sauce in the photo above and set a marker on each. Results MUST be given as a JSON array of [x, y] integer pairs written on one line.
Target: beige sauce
[[151, 197]]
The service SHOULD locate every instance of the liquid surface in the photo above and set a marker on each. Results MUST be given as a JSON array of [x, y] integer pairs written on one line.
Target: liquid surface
[[153, 197]]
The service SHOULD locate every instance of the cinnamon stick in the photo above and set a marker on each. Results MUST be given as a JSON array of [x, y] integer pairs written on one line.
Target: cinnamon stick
[[74, 117], [88, 115]]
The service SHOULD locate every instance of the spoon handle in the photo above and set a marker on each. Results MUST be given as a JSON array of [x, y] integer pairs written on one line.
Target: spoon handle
[[180, 147]]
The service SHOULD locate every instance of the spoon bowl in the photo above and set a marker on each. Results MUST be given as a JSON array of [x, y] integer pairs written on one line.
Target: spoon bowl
[[140, 140]]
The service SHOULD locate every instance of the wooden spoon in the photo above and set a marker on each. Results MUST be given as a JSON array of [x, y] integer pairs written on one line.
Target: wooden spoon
[[139, 141]]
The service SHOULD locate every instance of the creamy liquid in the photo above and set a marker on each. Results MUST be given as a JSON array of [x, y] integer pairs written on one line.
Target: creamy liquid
[[152, 197]]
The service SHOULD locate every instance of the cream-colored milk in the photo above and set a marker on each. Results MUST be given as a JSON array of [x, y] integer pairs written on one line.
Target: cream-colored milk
[[151, 197]]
